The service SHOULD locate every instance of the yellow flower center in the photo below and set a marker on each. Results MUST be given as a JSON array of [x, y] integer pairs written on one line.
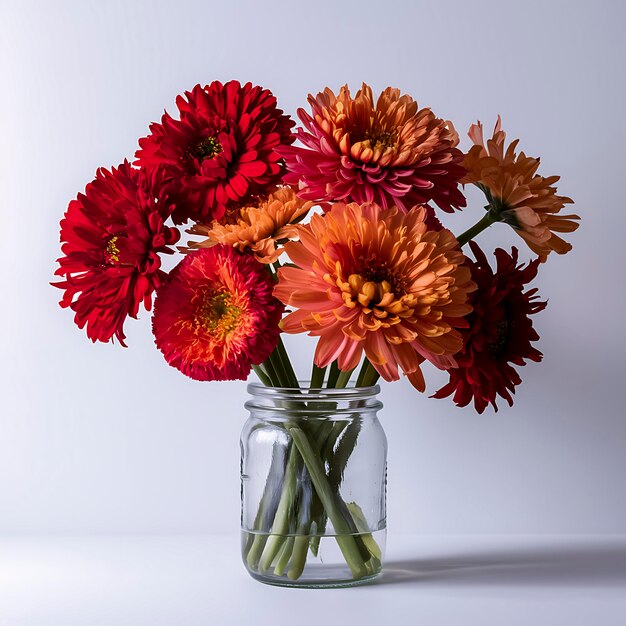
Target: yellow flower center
[[206, 149], [218, 314], [377, 138], [111, 251]]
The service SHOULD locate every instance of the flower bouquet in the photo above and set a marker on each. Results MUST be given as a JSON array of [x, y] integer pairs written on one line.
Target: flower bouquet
[[339, 236]]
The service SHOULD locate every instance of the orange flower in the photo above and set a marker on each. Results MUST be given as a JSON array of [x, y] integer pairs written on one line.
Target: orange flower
[[517, 194], [257, 227], [376, 280]]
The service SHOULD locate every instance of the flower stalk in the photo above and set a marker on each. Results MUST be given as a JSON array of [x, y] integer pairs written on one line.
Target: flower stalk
[[490, 217]]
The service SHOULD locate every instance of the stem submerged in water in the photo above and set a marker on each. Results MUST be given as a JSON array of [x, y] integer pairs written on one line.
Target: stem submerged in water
[[346, 541]]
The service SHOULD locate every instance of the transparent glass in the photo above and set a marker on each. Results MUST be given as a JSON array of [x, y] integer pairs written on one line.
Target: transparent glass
[[313, 486]]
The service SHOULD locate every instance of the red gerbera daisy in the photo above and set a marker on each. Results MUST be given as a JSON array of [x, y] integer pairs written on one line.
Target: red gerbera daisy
[[112, 236], [215, 317], [499, 334], [221, 150], [386, 151]]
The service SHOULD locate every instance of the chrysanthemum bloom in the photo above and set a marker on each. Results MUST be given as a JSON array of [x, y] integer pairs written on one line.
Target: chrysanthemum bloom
[[377, 281], [517, 194], [500, 332], [387, 152], [216, 316], [258, 227], [222, 149], [112, 236]]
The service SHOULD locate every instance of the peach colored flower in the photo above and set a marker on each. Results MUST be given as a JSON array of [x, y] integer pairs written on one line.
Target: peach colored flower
[[377, 281], [521, 197], [257, 227]]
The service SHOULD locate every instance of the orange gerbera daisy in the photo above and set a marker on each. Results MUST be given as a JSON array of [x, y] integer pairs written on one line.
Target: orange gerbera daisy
[[517, 194], [377, 281], [258, 227]]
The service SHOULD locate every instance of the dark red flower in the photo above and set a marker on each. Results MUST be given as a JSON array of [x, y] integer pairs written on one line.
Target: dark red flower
[[222, 149], [499, 334], [111, 238], [216, 316]]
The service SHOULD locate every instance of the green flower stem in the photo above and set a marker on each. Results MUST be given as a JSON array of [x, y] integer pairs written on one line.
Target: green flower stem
[[284, 556], [267, 505], [364, 367], [300, 548], [273, 376], [267, 510], [263, 377], [291, 377], [271, 372], [326, 444], [343, 379], [265, 547], [280, 527], [368, 375], [333, 375], [491, 217], [373, 564], [344, 538], [371, 378], [277, 365], [256, 549], [363, 527], [319, 431], [317, 377]]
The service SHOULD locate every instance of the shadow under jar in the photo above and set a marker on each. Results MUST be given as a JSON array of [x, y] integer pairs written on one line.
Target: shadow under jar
[[313, 486]]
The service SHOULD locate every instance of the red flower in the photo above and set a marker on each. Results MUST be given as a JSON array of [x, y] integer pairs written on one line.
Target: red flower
[[499, 334], [221, 150], [216, 317], [112, 236], [386, 151]]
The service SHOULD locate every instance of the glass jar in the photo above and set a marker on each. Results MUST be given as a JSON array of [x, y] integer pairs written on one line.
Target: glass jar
[[313, 486]]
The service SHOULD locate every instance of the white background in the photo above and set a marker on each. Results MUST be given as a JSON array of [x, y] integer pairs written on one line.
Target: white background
[[95, 438]]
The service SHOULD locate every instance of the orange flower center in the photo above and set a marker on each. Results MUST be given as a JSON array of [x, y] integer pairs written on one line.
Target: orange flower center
[[206, 149], [218, 314], [379, 292]]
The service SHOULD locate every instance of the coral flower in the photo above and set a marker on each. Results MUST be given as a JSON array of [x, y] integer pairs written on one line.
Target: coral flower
[[375, 280], [258, 227], [222, 149], [215, 317], [518, 195], [112, 236], [500, 332], [388, 152]]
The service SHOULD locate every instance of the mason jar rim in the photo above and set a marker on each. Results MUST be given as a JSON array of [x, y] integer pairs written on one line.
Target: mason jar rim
[[346, 400], [348, 392]]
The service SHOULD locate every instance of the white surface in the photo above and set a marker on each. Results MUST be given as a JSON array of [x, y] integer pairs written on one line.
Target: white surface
[[96, 438], [199, 580]]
